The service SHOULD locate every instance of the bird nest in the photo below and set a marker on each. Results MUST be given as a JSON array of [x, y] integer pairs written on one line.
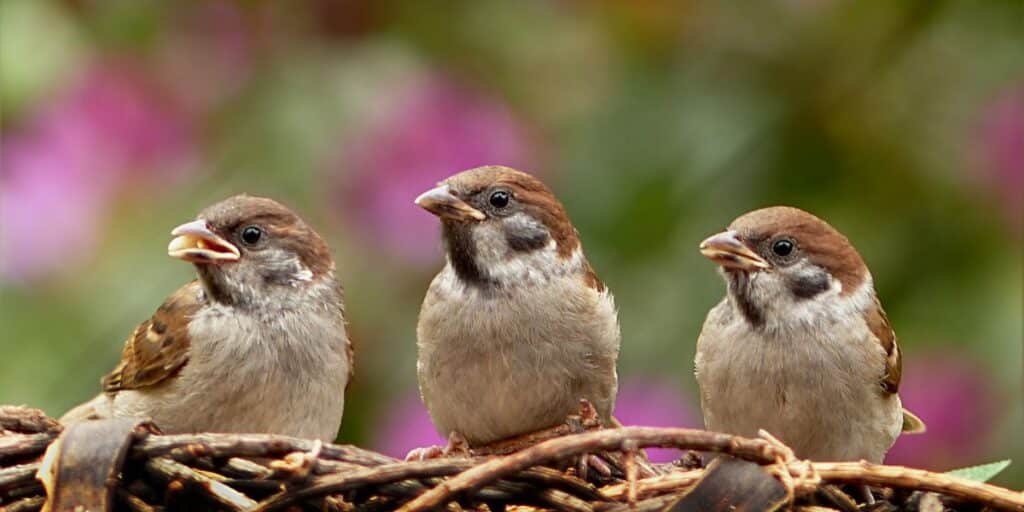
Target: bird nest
[[129, 465]]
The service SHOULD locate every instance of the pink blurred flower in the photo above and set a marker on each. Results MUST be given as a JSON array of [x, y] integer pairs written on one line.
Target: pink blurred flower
[[57, 174], [436, 130], [956, 401], [1001, 149], [406, 424]]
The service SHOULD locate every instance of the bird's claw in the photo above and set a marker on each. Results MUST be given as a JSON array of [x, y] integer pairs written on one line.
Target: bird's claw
[[457, 447]]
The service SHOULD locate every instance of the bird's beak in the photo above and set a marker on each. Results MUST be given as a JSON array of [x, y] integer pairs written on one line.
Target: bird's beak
[[195, 242], [727, 250], [441, 202]]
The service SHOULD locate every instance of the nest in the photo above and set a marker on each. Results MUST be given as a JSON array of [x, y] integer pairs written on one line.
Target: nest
[[128, 465]]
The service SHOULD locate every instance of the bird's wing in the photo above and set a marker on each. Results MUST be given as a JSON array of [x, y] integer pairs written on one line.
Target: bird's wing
[[882, 330], [158, 348], [878, 324]]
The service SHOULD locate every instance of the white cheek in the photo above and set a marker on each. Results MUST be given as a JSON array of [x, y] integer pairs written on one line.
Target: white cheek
[[514, 268], [785, 312], [304, 274]]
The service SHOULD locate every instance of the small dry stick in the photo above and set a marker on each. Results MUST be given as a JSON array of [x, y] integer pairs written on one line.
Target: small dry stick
[[918, 479], [648, 487], [218, 491], [13, 446], [336, 483], [757, 450], [184, 447], [16, 476]]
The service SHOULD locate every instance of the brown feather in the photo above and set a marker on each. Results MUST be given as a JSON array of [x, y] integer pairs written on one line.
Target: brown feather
[[878, 324], [158, 348], [590, 277]]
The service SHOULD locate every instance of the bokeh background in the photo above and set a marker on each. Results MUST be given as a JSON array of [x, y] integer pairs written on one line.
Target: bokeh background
[[656, 122]]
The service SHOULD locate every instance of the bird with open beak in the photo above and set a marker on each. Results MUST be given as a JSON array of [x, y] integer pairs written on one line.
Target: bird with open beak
[[516, 329], [256, 344], [800, 345]]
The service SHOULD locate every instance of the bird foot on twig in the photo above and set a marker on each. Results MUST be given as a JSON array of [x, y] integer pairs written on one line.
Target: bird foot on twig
[[585, 420], [457, 447]]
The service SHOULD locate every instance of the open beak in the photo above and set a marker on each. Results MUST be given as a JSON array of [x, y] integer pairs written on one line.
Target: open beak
[[441, 202], [195, 242], [727, 250]]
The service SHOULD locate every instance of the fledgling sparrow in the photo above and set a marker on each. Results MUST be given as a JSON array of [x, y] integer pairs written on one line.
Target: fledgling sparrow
[[516, 329], [256, 344], [800, 346]]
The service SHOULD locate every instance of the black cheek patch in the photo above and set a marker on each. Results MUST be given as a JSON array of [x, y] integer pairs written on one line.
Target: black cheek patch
[[527, 240], [462, 254], [807, 287], [740, 288]]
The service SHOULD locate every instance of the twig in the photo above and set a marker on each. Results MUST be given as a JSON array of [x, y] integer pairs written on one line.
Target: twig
[[23, 420], [555, 479], [656, 504], [218, 491], [16, 476], [756, 450], [183, 448], [909, 478], [648, 487], [134, 503], [14, 446], [26, 505], [336, 483]]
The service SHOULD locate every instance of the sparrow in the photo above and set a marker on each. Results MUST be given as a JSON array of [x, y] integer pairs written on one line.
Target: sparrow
[[800, 346], [256, 344], [517, 328]]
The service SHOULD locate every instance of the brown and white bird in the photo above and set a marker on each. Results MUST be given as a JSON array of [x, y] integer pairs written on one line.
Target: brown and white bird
[[516, 328], [800, 346], [256, 344]]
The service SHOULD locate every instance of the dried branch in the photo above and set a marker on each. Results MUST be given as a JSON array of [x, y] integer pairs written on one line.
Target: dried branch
[[647, 487], [909, 478], [20, 446], [756, 450], [266, 472], [218, 491]]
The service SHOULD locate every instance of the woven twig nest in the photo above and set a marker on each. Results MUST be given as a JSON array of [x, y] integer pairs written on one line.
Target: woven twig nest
[[128, 465]]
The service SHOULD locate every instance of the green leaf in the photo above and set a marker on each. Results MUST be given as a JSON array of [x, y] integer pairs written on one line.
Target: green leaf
[[981, 473]]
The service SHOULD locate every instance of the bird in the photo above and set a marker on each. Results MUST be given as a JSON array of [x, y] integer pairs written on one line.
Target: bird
[[256, 344], [516, 329], [800, 346]]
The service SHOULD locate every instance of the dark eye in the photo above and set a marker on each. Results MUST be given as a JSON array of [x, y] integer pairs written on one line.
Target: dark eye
[[251, 235], [782, 247], [499, 199]]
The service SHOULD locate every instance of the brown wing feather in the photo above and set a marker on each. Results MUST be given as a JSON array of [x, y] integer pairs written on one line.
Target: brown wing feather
[[158, 347], [879, 325]]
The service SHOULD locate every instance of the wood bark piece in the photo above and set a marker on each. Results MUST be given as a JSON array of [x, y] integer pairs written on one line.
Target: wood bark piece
[[81, 467], [731, 484]]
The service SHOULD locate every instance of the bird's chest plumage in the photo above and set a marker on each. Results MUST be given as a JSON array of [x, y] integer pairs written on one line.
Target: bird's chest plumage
[[815, 386], [497, 364], [278, 372]]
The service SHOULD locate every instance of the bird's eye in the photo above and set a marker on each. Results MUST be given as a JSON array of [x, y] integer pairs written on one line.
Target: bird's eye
[[782, 247], [252, 234], [499, 199]]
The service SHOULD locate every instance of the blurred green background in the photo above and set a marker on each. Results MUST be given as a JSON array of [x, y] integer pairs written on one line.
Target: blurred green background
[[656, 122]]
